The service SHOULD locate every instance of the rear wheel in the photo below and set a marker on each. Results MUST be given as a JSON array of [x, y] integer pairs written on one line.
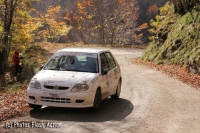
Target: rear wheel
[[118, 91], [97, 99], [34, 106]]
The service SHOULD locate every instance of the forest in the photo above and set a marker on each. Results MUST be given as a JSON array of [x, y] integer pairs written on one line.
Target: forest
[[24, 23]]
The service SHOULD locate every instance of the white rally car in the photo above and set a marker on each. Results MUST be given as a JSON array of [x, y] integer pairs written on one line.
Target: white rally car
[[76, 77]]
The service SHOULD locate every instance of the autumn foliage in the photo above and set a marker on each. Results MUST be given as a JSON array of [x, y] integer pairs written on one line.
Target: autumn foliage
[[21, 26], [106, 22], [153, 10], [13, 103]]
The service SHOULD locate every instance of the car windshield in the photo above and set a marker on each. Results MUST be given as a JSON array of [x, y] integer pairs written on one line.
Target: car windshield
[[81, 62]]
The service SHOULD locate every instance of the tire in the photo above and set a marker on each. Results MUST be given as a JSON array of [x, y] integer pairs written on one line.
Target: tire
[[97, 99], [118, 91], [34, 106]]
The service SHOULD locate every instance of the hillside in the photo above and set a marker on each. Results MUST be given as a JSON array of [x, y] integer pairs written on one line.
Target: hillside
[[177, 41]]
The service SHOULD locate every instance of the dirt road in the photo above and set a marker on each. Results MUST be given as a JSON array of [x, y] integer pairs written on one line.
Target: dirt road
[[150, 102]]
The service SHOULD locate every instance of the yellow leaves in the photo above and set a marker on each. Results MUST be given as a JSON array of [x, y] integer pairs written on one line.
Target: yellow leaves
[[23, 47], [79, 27], [52, 26], [93, 34], [52, 10], [86, 2], [166, 9], [161, 19], [80, 6], [1, 29], [158, 18], [153, 23], [151, 38], [1, 2], [83, 4], [46, 15], [89, 16], [82, 10]]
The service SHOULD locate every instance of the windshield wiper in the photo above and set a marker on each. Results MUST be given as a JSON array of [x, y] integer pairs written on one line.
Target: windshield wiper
[[79, 70], [66, 69], [53, 69], [73, 70]]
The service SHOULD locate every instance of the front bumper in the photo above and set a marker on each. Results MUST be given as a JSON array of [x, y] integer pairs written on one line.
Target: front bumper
[[60, 99]]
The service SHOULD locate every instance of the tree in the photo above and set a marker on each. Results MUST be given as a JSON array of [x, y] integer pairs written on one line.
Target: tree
[[52, 26], [21, 29], [183, 5], [106, 21], [161, 21], [8, 10]]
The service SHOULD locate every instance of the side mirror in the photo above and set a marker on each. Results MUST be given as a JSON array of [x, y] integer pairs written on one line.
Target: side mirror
[[41, 67], [104, 72]]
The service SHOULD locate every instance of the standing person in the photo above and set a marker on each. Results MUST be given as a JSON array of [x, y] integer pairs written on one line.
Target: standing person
[[20, 64], [16, 63]]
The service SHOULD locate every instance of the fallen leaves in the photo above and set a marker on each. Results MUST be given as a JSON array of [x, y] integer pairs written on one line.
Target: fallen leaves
[[13, 103], [175, 71]]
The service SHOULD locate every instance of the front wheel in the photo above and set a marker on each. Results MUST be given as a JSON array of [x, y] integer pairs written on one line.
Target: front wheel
[[34, 106], [118, 91], [97, 99]]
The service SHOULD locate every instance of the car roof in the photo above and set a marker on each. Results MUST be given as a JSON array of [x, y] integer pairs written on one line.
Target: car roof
[[86, 50]]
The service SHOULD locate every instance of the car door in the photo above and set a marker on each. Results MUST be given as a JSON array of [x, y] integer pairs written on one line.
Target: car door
[[105, 79], [112, 72]]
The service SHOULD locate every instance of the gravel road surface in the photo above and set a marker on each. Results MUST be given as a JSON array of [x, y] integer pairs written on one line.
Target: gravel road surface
[[150, 102]]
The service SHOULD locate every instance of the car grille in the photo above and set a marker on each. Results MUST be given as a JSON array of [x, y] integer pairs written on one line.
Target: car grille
[[56, 88], [55, 100]]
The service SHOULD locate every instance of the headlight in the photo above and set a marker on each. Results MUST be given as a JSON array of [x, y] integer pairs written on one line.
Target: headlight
[[34, 85], [80, 87]]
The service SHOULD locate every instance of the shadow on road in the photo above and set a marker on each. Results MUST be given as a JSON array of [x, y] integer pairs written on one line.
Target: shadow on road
[[110, 110]]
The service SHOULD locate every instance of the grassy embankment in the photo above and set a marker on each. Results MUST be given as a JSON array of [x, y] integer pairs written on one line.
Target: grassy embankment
[[176, 47]]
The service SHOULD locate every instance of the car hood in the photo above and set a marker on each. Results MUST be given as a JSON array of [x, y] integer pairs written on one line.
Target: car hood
[[62, 78]]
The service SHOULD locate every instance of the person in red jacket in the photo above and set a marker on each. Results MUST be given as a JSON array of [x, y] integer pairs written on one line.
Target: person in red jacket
[[16, 62]]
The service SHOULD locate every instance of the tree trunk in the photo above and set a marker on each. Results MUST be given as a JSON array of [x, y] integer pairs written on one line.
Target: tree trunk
[[193, 2], [3, 60], [184, 4], [179, 6], [81, 36], [7, 22], [175, 6]]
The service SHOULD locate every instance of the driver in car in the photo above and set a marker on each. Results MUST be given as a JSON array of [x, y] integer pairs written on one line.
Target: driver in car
[[69, 63]]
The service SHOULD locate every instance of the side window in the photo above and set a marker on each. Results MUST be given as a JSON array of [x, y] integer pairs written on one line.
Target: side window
[[111, 60], [104, 62]]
